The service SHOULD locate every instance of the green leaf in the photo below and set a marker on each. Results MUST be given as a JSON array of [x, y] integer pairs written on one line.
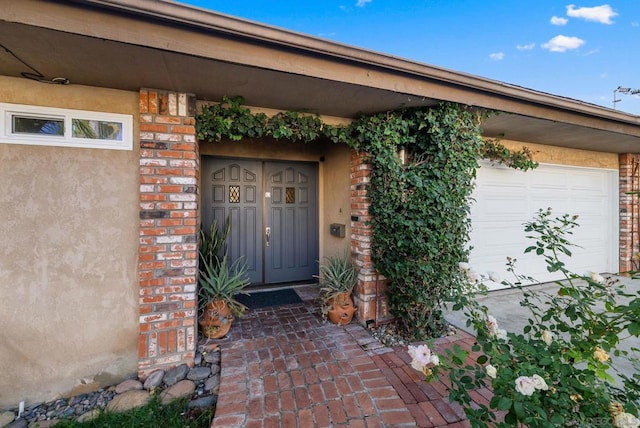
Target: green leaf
[[518, 409], [504, 403]]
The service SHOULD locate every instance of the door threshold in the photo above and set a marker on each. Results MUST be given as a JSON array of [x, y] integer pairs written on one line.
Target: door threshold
[[282, 286]]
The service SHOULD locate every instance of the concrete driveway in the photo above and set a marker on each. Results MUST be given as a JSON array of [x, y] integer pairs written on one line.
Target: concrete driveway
[[504, 305]]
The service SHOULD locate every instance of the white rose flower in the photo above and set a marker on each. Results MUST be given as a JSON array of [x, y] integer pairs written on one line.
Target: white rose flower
[[473, 276], [416, 365], [501, 334], [626, 420], [492, 372], [600, 355], [464, 267], [539, 382], [595, 277], [421, 356], [525, 385], [547, 337], [492, 324], [435, 360]]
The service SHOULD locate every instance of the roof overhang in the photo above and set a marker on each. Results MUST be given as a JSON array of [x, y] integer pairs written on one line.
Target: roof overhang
[[133, 44]]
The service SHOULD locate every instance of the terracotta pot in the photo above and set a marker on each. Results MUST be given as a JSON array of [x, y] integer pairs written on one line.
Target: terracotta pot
[[216, 319], [341, 309]]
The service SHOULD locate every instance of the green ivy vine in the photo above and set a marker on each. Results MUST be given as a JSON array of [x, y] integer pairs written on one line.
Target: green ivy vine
[[420, 209]]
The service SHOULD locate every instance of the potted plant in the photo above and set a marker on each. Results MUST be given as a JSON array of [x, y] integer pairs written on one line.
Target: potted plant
[[338, 276], [219, 281]]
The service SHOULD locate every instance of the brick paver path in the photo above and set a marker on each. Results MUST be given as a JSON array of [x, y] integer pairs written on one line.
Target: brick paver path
[[285, 367]]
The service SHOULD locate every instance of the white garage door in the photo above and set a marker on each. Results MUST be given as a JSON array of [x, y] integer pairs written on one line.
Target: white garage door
[[505, 199]]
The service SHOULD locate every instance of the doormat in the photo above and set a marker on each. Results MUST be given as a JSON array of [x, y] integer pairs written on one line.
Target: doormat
[[264, 299]]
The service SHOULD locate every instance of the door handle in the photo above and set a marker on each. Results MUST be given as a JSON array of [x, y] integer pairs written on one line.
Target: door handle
[[267, 232]]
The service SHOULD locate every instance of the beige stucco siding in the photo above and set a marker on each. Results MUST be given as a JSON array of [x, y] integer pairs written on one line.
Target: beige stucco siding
[[68, 261], [334, 178], [566, 156]]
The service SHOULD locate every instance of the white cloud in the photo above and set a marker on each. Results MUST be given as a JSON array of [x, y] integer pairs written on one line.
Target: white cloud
[[591, 52], [497, 56], [635, 24], [362, 3], [602, 14], [526, 47], [563, 43], [557, 20]]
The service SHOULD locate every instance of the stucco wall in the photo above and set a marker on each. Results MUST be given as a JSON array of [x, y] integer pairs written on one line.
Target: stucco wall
[[566, 156], [68, 261], [334, 179]]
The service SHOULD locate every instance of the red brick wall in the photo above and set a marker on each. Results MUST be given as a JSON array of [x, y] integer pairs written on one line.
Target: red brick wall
[[169, 221], [370, 294], [629, 215]]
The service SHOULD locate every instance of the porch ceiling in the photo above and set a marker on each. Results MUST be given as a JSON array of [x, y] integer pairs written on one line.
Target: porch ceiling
[[116, 48]]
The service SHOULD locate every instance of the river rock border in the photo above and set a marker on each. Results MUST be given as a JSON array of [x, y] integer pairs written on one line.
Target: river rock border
[[200, 382]]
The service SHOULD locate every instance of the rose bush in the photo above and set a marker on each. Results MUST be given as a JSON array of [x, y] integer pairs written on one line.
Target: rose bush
[[558, 371]]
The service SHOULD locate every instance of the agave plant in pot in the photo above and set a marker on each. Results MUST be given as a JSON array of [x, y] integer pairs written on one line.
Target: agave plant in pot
[[219, 282], [338, 276]]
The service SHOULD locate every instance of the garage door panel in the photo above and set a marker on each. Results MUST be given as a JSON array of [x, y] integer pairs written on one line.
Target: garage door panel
[[506, 199], [588, 182]]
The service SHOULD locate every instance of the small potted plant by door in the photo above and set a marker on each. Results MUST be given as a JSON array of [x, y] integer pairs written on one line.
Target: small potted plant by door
[[219, 281], [338, 276], [219, 284]]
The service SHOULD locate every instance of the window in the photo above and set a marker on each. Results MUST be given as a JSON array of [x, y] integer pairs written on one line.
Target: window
[[46, 126]]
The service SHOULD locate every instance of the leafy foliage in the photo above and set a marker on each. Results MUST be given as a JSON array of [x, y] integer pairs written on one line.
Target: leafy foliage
[[337, 275], [294, 126], [218, 278], [522, 159], [229, 119], [419, 210], [567, 344], [173, 415]]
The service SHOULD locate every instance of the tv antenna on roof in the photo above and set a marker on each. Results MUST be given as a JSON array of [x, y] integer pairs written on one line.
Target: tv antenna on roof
[[621, 90]]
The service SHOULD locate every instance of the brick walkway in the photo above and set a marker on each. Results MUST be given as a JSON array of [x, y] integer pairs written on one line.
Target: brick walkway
[[284, 367]]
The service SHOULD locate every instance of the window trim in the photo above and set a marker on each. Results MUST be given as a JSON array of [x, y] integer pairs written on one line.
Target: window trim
[[7, 136]]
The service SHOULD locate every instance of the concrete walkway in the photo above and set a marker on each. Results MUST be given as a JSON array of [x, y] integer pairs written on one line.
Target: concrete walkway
[[504, 305], [285, 367]]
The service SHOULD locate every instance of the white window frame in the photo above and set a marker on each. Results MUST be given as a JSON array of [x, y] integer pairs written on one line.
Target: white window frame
[[7, 136]]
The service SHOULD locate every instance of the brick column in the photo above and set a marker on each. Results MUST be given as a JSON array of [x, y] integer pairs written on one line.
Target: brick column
[[370, 294], [169, 221], [629, 215]]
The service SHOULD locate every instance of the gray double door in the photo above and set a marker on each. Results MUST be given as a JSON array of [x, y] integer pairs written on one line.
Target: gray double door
[[273, 209]]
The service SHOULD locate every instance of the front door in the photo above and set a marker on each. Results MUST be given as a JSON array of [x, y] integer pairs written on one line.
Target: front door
[[273, 211]]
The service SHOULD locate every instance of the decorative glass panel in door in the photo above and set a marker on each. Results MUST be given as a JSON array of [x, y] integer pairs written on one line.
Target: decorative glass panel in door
[[233, 188], [291, 216]]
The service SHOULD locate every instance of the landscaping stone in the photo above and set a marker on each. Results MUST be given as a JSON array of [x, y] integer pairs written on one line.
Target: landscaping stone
[[203, 402], [198, 373], [212, 357], [128, 400], [128, 385], [19, 423], [88, 416], [44, 424], [176, 374], [85, 407], [6, 418], [154, 380], [212, 383], [184, 388]]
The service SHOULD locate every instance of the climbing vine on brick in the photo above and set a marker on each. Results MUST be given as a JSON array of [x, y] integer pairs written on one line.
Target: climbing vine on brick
[[419, 208]]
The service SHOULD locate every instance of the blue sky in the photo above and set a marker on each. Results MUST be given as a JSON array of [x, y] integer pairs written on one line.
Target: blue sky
[[577, 50]]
